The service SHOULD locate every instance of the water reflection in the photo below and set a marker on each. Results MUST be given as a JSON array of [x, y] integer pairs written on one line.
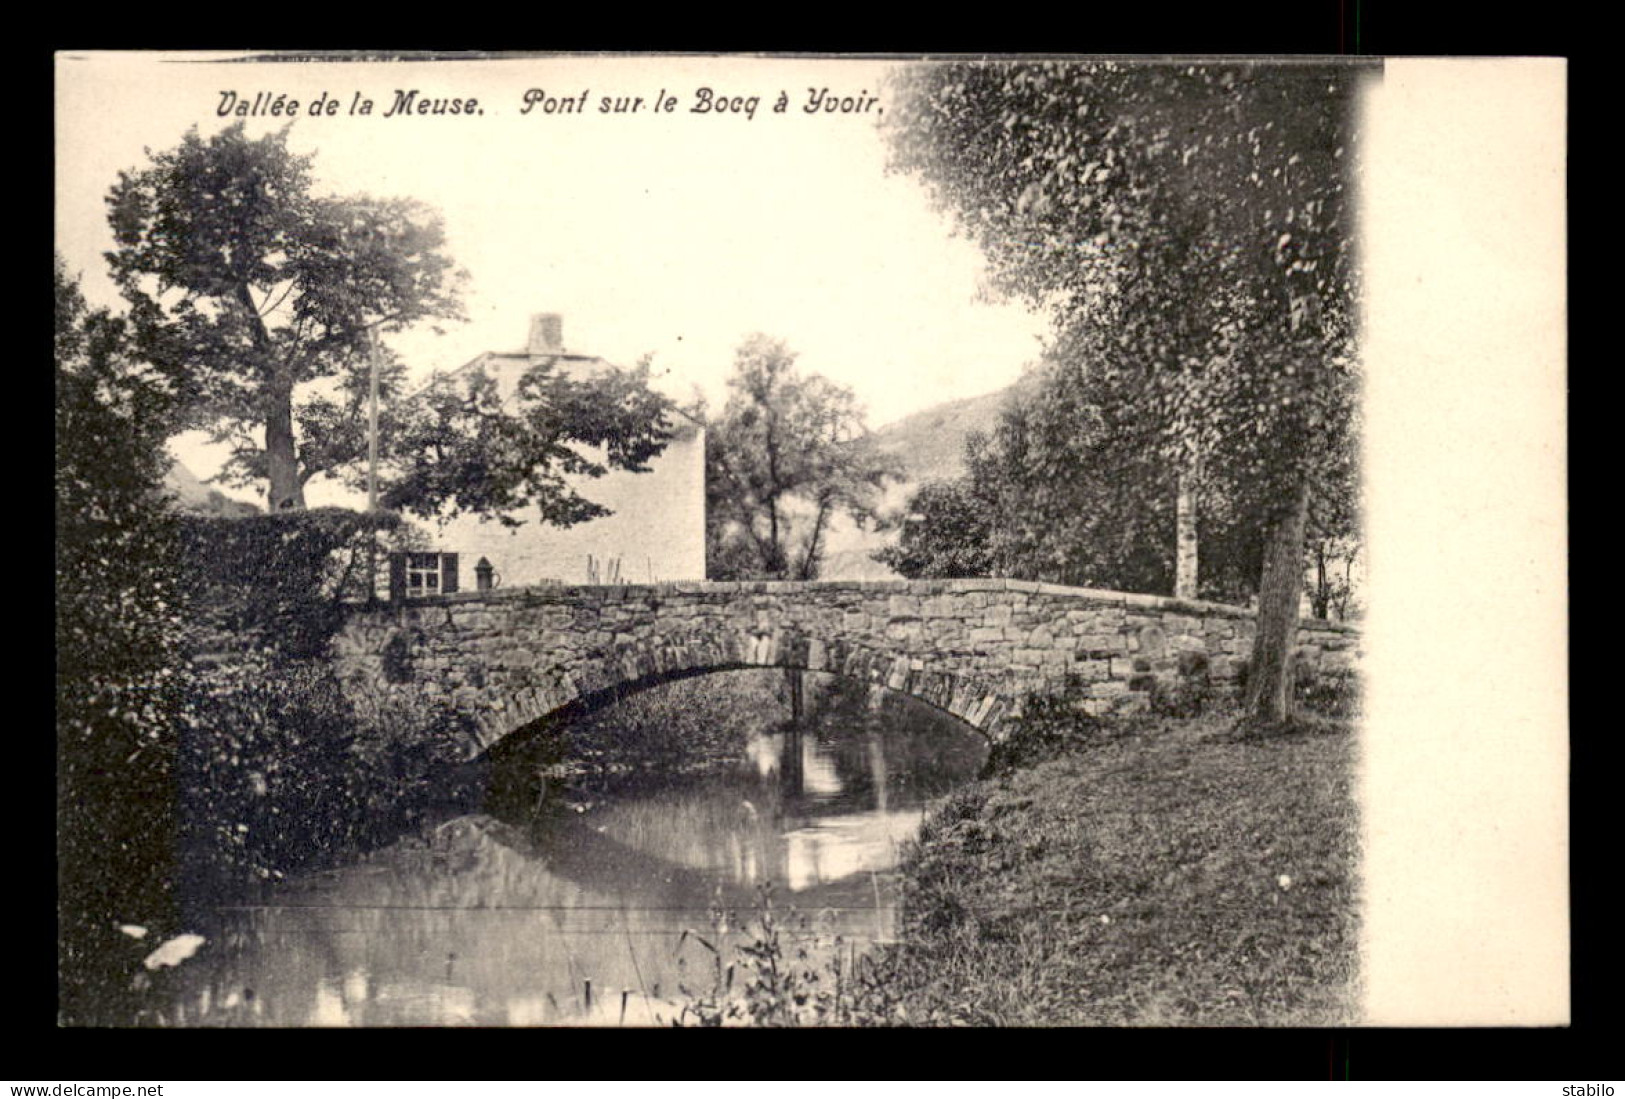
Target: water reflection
[[578, 917]]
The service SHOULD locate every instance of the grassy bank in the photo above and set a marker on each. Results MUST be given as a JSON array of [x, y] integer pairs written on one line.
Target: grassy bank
[[1162, 872]]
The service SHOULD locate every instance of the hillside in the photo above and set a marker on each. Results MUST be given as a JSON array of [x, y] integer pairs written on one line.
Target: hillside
[[931, 445], [191, 494], [931, 442]]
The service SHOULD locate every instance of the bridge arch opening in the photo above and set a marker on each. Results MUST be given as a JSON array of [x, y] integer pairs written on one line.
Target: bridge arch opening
[[721, 717], [589, 703]]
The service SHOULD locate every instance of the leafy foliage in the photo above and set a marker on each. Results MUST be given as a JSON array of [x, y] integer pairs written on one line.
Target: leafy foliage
[[1333, 544], [121, 677], [948, 532], [1063, 492], [1189, 229], [245, 285], [263, 302], [279, 580], [1091, 188], [789, 452], [460, 446], [1048, 726], [283, 770]]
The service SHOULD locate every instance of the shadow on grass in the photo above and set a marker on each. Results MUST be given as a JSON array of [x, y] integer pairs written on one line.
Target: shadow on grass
[[1298, 726]]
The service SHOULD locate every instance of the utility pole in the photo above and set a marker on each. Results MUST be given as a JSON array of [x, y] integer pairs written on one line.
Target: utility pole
[[372, 466], [372, 425]]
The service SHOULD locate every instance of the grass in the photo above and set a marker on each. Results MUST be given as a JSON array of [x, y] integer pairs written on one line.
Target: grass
[[1162, 872]]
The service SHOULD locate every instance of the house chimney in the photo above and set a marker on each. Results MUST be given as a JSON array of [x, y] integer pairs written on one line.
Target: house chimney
[[546, 334]]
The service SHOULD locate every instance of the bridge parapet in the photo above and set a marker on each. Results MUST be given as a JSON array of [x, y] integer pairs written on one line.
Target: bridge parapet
[[976, 648]]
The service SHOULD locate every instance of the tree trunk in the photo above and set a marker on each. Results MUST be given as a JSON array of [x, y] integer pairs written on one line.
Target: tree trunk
[[809, 559], [287, 491], [1269, 681], [1185, 553], [1320, 599]]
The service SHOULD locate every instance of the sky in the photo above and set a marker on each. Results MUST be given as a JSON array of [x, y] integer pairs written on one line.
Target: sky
[[677, 232]]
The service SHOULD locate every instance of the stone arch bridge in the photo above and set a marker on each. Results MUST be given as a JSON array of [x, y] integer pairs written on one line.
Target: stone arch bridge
[[977, 649]]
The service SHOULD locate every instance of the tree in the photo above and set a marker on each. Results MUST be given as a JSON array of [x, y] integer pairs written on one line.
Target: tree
[[789, 453], [121, 678], [947, 532], [1080, 497], [1065, 491], [459, 445], [1191, 226], [245, 287]]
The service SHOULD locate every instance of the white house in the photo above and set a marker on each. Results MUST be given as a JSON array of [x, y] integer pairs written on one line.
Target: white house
[[656, 531]]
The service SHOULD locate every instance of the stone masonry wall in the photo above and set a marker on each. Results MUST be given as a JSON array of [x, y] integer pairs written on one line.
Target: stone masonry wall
[[975, 648]]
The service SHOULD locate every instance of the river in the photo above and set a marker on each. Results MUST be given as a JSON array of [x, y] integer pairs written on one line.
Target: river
[[595, 910]]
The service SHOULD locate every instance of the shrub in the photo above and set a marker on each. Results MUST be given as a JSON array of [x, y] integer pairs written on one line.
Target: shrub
[[1048, 726], [120, 673], [1330, 693], [1186, 693], [281, 771], [280, 580]]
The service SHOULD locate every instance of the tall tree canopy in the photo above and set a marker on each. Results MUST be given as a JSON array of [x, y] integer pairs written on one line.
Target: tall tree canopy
[[264, 301], [245, 285], [1068, 489], [789, 453], [1189, 228], [461, 445]]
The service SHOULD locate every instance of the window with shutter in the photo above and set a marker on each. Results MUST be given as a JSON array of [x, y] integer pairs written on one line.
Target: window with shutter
[[419, 575]]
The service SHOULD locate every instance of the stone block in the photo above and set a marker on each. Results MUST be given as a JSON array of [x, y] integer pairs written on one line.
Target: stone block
[[1153, 642], [975, 584], [906, 631], [897, 676], [1092, 671]]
